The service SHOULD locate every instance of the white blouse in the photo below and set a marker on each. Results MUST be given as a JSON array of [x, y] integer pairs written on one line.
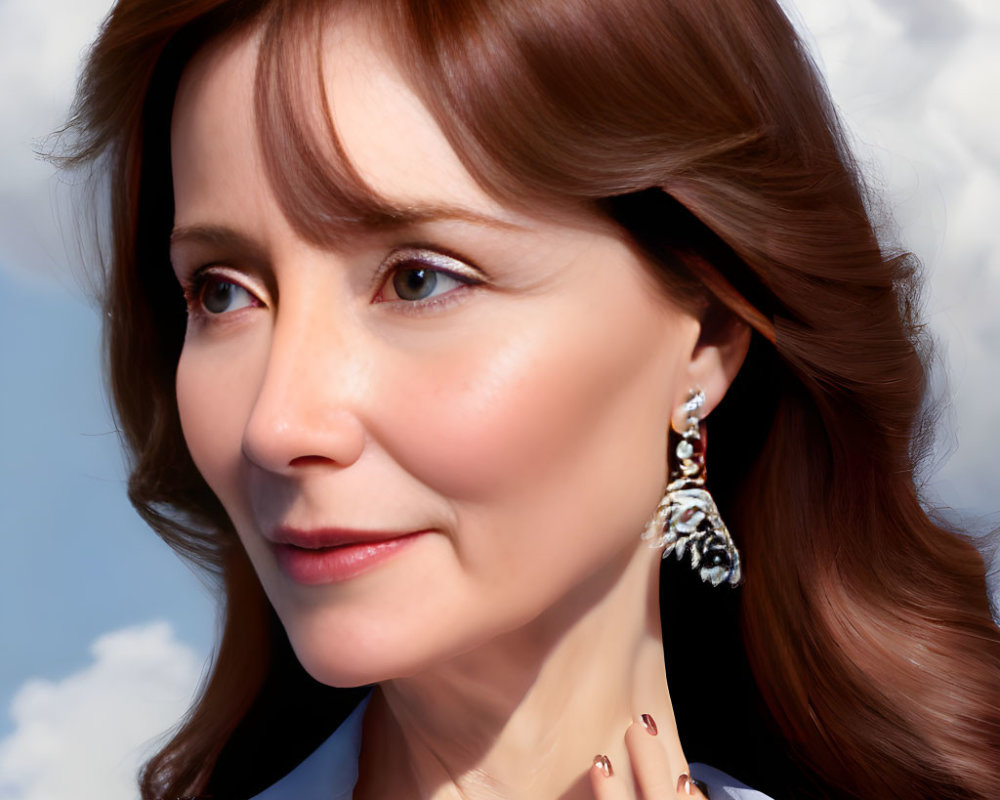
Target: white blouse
[[331, 770]]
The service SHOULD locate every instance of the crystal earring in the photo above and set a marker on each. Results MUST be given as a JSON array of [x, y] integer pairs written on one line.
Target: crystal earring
[[687, 519]]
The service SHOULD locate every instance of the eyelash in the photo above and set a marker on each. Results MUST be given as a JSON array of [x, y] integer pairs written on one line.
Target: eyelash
[[431, 260], [194, 293]]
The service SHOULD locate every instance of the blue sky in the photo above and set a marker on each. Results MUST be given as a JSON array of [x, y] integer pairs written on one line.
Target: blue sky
[[95, 610], [78, 561]]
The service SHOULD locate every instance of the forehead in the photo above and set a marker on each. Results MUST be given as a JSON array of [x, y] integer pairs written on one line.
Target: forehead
[[385, 132]]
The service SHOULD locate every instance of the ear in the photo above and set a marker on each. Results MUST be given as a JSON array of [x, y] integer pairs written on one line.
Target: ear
[[714, 361]]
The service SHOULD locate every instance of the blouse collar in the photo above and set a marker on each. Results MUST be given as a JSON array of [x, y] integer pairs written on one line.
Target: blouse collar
[[330, 771]]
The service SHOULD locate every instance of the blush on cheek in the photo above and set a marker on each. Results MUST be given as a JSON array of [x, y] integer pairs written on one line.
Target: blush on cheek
[[471, 429], [510, 410]]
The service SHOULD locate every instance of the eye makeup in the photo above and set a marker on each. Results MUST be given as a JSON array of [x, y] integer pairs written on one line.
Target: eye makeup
[[411, 279], [414, 274], [211, 291]]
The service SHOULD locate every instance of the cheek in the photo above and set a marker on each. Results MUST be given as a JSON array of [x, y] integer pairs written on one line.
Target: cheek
[[215, 391], [553, 422]]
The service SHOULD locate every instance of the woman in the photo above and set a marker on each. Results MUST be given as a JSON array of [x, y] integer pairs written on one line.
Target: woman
[[451, 273]]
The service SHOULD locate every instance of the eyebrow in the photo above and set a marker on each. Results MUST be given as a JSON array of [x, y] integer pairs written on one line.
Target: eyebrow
[[220, 237], [392, 219]]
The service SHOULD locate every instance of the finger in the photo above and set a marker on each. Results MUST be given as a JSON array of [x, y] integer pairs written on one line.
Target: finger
[[655, 774], [604, 783], [688, 787], [608, 786], [660, 772]]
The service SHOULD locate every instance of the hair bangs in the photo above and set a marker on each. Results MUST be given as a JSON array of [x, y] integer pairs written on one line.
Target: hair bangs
[[318, 188]]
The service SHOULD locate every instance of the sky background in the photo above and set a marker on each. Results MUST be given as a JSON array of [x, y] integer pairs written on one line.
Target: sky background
[[106, 633]]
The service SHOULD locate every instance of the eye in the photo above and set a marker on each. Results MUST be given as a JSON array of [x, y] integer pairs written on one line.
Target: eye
[[420, 283], [413, 276], [213, 294]]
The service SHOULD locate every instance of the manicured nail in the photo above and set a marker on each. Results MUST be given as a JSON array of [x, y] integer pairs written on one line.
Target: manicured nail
[[684, 784], [649, 724], [605, 764]]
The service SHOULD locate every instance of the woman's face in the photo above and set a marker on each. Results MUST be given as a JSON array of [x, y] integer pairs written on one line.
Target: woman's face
[[494, 382]]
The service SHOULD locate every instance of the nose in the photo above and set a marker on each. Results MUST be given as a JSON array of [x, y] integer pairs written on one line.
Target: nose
[[305, 412]]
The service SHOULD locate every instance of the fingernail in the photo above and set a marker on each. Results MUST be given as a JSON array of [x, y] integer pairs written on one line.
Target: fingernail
[[649, 724], [605, 764], [684, 784]]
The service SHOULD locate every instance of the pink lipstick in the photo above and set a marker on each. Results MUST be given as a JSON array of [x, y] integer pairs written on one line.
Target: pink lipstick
[[331, 555]]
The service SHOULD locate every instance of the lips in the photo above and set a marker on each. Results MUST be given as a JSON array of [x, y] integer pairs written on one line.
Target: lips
[[320, 538], [332, 555]]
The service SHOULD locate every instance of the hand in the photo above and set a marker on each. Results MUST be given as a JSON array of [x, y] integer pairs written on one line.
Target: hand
[[656, 777]]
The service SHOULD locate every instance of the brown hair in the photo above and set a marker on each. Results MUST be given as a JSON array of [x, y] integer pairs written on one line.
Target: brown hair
[[701, 127]]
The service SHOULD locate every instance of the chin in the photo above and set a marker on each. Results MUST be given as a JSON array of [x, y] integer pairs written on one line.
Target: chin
[[345, 661], [342, 667]]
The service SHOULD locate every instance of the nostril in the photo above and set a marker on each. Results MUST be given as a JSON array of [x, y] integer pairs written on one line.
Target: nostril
[[305, 461]]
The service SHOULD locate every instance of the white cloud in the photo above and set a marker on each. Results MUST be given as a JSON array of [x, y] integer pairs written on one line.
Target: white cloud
[[915, 81], [42, 47], [85, 736]]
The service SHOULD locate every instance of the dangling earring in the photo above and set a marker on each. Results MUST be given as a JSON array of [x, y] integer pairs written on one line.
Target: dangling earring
[[687, 519]]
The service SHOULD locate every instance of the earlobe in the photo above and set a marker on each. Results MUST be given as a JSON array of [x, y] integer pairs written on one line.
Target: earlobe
[[715, 361]]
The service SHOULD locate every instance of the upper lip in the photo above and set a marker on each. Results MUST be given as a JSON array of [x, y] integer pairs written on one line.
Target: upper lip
[[317, 538]]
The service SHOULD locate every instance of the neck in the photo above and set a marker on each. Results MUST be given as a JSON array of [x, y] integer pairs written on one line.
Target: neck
[[524, 715]]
